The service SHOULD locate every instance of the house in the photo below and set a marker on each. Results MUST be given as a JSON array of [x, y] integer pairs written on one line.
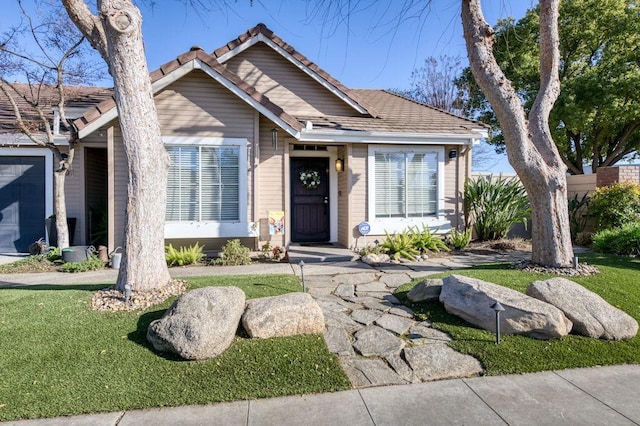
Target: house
[[26, 168], [267, 147]]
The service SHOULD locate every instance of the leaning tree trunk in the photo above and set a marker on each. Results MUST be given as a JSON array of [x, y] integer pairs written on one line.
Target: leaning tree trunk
[[530, 147], [144, 266], [116, 32]]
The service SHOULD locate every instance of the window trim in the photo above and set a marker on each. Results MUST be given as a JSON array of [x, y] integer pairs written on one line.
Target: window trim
[[381, 225], [216, 229]]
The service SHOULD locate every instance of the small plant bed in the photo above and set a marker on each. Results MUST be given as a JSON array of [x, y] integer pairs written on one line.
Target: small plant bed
[[31, 264], [60, 357], [616, 283], [50, 262]]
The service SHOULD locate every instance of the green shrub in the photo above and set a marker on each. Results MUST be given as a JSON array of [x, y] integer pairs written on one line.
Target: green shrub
[[459, 239], [578, 208], [54, 254], [233, 254], [184, 255], [622, 241], [494, 205], [91, 264], [374, 249], [400, 245], [615, 205], [425, 241]]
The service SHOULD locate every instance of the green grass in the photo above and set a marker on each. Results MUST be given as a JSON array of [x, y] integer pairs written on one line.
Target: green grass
[[59, 357], [617, 283]]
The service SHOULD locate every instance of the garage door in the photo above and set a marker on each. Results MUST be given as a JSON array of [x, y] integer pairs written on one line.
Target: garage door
[[22, 202]]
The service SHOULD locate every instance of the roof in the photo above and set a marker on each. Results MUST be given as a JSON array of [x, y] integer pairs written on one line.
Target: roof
[[261, 29], [377, 111], [229, 79], [398, 114], [47, 96]]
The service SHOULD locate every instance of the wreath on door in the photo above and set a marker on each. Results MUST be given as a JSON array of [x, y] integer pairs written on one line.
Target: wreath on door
[[310, 179]]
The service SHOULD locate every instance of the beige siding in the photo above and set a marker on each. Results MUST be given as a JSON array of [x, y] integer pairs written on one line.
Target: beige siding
[[271, 191], [196, 105], [343, 198], [286, 85], [73, 190], [454, 176], [358, 191]]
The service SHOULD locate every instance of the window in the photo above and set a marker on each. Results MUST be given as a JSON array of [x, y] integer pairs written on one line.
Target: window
[[203, 184], [406, 183]]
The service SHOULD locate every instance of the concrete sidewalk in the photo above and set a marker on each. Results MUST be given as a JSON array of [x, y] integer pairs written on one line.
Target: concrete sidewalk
[[590, 396]]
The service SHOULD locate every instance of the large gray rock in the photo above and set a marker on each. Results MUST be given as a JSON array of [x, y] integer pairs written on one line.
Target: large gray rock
[[286, 315], [438, 361], [471, 300], [427, 290], [201, 324], [591, 315]]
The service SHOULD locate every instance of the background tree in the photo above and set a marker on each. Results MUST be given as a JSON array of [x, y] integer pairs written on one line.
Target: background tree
[[115, 31], [530, 147], [58, 59], [596, 118], [438, 83]]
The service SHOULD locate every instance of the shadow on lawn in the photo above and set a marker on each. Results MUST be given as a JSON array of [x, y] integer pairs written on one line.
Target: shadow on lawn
[[84, 287], [139, 336]]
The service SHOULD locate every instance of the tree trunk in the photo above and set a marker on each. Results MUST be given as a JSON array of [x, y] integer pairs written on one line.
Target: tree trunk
[[59, 203], [530, 148], [143, 266]]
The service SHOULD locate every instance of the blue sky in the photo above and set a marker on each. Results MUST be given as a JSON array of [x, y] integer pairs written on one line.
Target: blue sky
[[366, 50]]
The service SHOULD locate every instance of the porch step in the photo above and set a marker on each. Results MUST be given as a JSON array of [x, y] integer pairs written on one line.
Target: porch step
[[323, 252]]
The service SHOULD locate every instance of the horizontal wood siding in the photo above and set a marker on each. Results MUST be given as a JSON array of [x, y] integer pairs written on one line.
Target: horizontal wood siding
[[73, 190], [358, 201], [271, 191], [285, 84], [454, 172], [196, 105], [343, 198]]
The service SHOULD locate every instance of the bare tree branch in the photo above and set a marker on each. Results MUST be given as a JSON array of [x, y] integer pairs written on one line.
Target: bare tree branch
[[90, 25]]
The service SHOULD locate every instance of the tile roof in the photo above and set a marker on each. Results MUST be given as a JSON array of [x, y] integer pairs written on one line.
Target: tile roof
[[47, 96], [266, 32], [388, 112], [196, 53], [397, 114]]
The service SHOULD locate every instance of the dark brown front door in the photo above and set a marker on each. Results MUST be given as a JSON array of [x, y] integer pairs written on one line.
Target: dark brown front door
[[309, 199]]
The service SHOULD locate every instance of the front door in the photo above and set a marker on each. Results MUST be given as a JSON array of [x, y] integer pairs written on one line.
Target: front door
[[309, 199]]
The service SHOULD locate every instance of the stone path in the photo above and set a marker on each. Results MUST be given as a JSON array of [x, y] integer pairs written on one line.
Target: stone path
[[377, 339]]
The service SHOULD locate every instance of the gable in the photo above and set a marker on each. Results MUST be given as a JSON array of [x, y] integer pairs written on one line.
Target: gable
[[197, 105], [286, 85]]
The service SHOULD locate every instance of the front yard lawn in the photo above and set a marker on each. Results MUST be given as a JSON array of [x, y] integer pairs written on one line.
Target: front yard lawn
[[59, 357], [618, 283]]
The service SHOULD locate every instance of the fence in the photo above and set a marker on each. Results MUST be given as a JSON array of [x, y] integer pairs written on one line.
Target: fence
[[579, 185]]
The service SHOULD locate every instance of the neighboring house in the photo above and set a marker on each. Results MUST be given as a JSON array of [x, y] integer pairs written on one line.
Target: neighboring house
[[266, 146], [26, 169]]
